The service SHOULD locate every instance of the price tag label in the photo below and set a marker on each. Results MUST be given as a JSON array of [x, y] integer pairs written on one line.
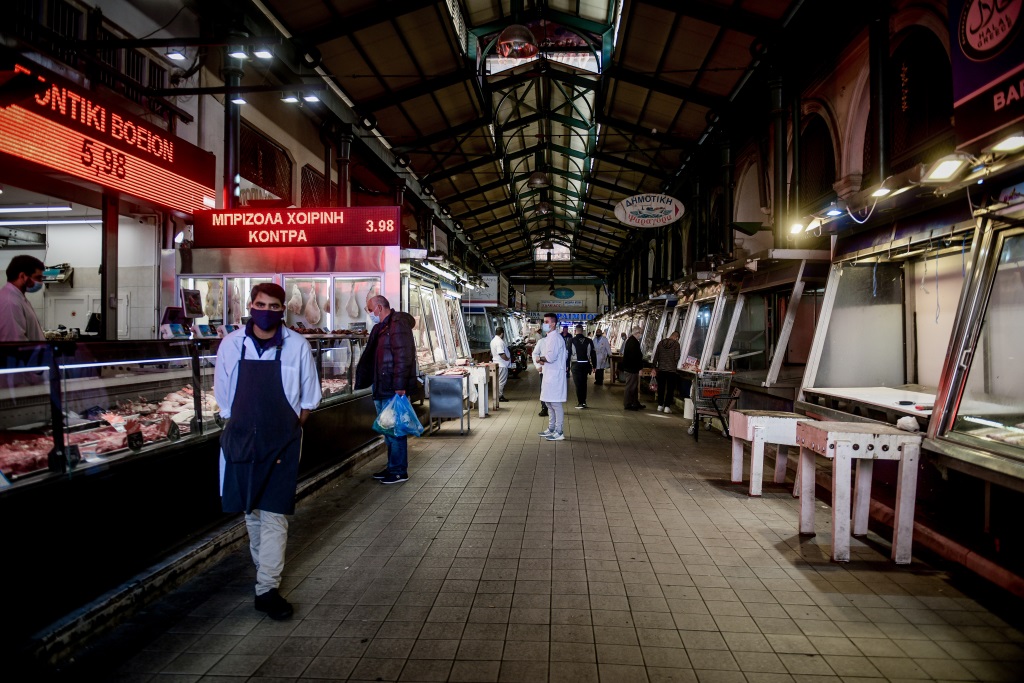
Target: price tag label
[[135, 441]]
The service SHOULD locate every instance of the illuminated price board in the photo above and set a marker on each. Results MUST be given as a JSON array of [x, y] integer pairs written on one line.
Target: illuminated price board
[[355, 226], [65, 128]]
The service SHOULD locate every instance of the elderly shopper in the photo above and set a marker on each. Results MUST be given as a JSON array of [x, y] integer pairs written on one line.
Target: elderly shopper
[[666, 360]]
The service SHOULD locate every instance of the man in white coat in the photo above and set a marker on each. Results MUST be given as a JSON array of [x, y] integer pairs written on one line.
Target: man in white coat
[[554, 383], [603, 350]]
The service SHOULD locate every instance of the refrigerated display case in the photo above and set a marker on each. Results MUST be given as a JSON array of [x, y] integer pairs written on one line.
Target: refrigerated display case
[[110, 451], [453, 311], [979, 407]]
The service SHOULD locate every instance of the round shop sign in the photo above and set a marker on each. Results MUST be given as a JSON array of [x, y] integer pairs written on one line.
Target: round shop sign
[[987, 28], [649, 210], [564, 293]]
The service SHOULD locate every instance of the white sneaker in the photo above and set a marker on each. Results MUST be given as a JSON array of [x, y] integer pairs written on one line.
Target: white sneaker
[[556, 436], [545, 434], [660, 408], [667, 410]]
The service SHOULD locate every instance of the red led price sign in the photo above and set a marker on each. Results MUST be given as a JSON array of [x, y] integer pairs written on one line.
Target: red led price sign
[[356, 226], [63, 127]]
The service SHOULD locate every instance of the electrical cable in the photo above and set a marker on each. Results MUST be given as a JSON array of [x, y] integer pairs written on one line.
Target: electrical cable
[[866, 218], [169, 22]]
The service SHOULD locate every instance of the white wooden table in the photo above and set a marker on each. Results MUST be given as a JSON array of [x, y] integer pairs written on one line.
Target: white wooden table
[[759, 427], [865, 442]]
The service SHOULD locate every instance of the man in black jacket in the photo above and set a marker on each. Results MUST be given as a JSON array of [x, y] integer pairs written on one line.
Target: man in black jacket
[[583, 359], [632, 364], [388, 364]]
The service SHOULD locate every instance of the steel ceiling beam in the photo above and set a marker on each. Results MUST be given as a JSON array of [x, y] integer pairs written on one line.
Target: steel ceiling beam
[[419, 89], [630, 165], [482, 189], [443, 135], [485, 209], [666, 140], [480, 161], [376, 13], [655, 84], [726, 16]]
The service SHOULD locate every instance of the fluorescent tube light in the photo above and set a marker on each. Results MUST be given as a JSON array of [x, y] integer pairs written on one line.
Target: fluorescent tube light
[[51, 221], [34, 209]]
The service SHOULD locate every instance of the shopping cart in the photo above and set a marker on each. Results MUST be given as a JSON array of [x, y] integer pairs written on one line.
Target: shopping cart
[[712, 395]]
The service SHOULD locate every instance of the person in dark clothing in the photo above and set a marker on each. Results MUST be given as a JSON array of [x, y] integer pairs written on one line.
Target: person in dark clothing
[[266, 385], [567, 338], [666, 360], [583, 359], [388, 364], [632, 364]]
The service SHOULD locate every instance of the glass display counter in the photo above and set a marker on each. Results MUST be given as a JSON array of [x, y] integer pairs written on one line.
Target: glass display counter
[[980, 418]]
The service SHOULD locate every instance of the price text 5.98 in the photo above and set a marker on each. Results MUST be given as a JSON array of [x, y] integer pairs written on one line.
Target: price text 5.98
[[102, 159]]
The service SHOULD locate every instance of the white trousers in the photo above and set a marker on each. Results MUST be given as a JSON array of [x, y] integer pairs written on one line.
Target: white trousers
[[556, 415], [268, 536], [502, 379]]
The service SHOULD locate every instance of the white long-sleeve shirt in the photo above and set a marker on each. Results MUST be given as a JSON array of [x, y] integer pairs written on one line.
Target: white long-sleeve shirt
[[18, 321], [298, 370]]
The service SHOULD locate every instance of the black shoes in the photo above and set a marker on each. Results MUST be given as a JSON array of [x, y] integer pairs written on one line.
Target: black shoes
[[543, 413], [581, 406], [394, 479], [502, 399], [639, 406], [382, 474], [273, 605]]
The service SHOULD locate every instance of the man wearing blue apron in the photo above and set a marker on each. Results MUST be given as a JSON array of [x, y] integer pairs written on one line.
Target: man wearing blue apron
[[266, 385]]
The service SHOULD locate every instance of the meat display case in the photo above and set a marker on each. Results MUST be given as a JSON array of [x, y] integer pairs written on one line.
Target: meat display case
[[978, 423], [83, 485]]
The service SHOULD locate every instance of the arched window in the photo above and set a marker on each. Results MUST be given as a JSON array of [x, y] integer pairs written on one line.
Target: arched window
[[920, 85], [817, 165]]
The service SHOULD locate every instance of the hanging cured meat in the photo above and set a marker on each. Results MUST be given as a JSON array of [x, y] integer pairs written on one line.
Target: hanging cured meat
[[353, 303], [327, 299], [313, 313], [295, 302], [234, 306]]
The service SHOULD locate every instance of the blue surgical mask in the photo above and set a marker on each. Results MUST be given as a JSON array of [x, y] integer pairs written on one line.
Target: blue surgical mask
[[34, 287], [546, 328], [375, 318], [266, 320]]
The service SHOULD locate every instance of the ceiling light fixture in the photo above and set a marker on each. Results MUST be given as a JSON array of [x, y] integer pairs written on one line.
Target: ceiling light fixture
[[947, 168], [262, 53], [238, 99], [311, 97], [290, 97], [1011, 143], [238, 52], [34, 209], [175, 54], [543, 208], [427, 189], [402, 161], [538, 180], [52, 221], [516, 42], [369, 121]]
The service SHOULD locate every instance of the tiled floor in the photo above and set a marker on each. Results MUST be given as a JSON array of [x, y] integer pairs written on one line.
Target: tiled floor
[[621, 554]]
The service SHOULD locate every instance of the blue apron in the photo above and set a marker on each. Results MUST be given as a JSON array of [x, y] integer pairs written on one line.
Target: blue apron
[[261, 442]]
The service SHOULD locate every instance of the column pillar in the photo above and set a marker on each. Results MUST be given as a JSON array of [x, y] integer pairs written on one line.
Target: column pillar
[[108, 259], [344, 196], [779, 115]]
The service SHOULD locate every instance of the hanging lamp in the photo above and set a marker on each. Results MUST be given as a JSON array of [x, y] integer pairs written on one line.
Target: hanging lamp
[[516, 42]]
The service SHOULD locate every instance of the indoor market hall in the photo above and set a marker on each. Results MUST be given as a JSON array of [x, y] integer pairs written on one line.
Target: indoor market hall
[[621, 554], [512, 341]]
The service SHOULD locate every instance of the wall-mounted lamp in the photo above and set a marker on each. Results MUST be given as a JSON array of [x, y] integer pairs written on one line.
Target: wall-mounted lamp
[[836, 209], [310, 97], [427, 189], [446, 211], [1011, 143], [237, 99], [290, 97], [368, 121], [947, 168]]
